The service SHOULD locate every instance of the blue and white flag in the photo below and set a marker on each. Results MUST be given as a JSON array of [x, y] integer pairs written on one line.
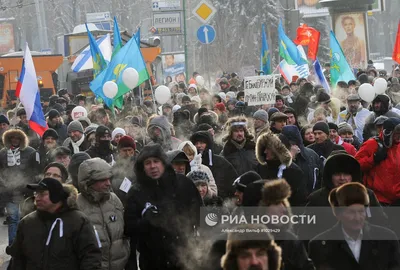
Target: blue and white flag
[[84, 59], [320, 77]]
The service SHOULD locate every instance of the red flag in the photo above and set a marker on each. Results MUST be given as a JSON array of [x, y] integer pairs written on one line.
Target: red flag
[[308, 36], [396, 51]]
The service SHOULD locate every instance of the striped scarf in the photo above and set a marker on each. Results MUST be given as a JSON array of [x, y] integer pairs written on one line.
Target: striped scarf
[[13, 157]]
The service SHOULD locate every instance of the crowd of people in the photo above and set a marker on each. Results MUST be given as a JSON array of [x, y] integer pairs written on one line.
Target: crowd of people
[[123, 189]]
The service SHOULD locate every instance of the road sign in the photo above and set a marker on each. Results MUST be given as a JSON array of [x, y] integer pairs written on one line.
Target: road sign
[[168, 23], [98, 17], [166, 5], [204, 11], [206, 34]]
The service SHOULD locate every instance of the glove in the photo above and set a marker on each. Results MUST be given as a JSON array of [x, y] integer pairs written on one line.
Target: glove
[[380, 155], [151, 214]]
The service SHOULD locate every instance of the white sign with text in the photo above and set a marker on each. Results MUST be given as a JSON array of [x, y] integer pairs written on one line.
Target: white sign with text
[[259, 90]]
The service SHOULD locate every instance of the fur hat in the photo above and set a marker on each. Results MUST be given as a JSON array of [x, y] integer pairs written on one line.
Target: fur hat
[[276, 192], [341, 163], [389, 127], [241, 241], [272, 142], [234, 122], [349, 194]]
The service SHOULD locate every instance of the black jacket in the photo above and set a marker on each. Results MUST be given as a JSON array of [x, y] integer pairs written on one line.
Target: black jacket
[[325, 149], [77, 249], [61, 131], [244, 159], [160, 234], [336, 254]]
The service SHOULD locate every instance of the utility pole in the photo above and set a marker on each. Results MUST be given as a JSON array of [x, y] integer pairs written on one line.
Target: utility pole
[[185, 41], [41, 17]]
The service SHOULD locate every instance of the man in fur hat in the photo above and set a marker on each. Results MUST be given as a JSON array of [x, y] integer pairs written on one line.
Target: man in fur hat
[[239, 148], [378, 158], [353, 243], [244, 254]]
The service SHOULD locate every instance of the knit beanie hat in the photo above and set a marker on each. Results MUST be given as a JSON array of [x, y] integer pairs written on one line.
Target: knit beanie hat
[[53, 114], [117, 131], [102, 130], [73, 166], [126, 141], [4, 119], [50, 133], [220, 107], [222, 95], [261, 115], [198, 177], [322, 126], [231, 95], [271, 111], [333, 126], [345, 128], [75, 126]]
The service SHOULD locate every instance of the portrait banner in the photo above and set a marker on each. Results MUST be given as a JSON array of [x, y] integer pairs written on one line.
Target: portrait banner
[[174, 67], [351, 32]]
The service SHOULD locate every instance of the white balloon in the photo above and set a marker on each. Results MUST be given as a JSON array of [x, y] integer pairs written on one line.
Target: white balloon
[[110, 89], [78, 112], [130, 77], [380, 86], [162, 94], [200, 80], [366, 92]]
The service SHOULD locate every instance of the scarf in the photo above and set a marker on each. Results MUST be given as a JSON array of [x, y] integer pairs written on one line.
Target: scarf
[[13, 157], [239, 146], [350, 117], [76, 145]]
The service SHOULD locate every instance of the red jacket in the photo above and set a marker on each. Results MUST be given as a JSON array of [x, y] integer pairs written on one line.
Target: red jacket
[[350, 149], [382, 178]]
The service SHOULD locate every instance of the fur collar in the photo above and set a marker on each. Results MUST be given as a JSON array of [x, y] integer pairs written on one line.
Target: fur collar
[[271, 141], [230, 148], [18, 133]]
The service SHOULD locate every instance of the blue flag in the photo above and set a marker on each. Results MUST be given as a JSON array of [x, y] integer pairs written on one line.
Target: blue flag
[[137, 37], [288, 50], [340, 69], [320, 77], [129, 56], [265, 58], [117, 38], [99, 64]]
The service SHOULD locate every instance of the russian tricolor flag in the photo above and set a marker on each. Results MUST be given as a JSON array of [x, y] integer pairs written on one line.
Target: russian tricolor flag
[[28, 93]]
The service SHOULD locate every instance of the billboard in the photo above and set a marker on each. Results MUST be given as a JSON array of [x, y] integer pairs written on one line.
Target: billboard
[[168, 23], [7, 43], [311, 8], [351, 32], [174, 67]]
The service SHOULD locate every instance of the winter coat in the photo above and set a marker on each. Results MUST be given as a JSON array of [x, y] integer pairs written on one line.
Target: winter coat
[[75, 249], [122, 169], [222, 170], [14, 190], [336, 254], [244, 159], [309, 162], [369, 127], [106, 213], [350, 149], [160, 235], [94, 151], [61, 131], [281, 167], [357, 122], [325, 149], [382, 178]]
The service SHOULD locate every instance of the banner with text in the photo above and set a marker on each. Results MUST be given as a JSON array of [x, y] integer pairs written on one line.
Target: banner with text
[[259, 90]]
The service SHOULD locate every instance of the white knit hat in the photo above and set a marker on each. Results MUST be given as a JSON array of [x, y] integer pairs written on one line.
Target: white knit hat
[[117, 131]]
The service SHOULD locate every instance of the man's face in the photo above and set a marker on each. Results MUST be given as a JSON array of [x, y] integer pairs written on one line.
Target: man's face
[[348, 26], [50, 142], [169, 60], [353, 106], [285, 91], [238, 134], [105, 137], [294, 88], [56, 120], [3, 126], [269, 155], [239, 198], [377, 106], [167, 111], [258, 123], [347, 137], [23, 119], [156, 132], [81, 103], [203, 189], [320, 136], [63, 159], [279, 124], [333, 134], [53, 172], [75, 135], [43, 202], [179, 167], [291, 119], [252, 259], [303, 82], [279, 103], [154, 168], [353, 217], [15, 141], [102, 185], [201, 146], [339, 179], [223, 86], [126, 152]]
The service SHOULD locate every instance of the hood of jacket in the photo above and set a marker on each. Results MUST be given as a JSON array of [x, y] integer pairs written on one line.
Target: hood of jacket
[[90, 171], [162, 123], [203, 136], [176, 155], [190, 144], [17, 133], [72, 196], [385, 100], [272, 142], [148, 151]]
